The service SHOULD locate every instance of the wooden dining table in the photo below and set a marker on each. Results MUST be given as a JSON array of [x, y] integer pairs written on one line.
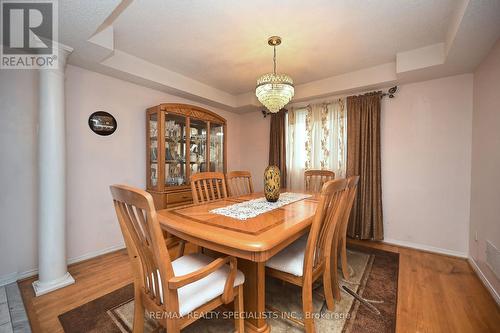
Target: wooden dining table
[[252, 241]]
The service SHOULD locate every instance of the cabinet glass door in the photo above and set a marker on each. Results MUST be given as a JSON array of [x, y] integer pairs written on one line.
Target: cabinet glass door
[[153, 149], [175, 150], [198, 146], [216, 147]]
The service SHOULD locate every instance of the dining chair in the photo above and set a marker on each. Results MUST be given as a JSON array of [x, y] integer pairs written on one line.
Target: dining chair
[[179, 290], [239, 183], [208, 186], [314, 179], [352, 185], [308, 258]]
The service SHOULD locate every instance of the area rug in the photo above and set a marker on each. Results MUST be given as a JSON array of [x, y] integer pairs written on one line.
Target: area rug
[[374, 276]]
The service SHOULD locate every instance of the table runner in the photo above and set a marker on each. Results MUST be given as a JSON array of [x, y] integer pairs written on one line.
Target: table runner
[[252, 208]]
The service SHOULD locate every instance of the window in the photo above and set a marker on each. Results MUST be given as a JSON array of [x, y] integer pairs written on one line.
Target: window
[[316, 139]]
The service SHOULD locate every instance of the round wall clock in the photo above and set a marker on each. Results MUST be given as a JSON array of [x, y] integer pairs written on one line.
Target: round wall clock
[[102, 123]]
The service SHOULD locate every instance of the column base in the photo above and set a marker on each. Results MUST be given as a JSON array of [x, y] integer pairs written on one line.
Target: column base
[[42, 288]]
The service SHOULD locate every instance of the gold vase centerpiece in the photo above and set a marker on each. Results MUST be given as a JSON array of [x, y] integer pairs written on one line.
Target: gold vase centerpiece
[[272, 183]]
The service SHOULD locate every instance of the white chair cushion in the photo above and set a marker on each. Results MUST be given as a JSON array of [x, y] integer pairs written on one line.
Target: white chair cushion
[[291, 258], [195, 294]]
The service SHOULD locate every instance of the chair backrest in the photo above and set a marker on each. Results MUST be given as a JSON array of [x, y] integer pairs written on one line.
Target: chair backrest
[[314, 179], [239, 183], [144, 240], [352, 186], [328, 215], [208, 186]]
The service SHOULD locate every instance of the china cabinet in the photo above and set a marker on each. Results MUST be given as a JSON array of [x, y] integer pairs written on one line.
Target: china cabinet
[[181, 140]]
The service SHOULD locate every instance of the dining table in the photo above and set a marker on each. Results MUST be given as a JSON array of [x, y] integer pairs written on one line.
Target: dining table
[[252, 241]]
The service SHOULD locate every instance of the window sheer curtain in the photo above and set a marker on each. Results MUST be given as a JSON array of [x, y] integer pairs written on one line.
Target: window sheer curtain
[[316, 139]]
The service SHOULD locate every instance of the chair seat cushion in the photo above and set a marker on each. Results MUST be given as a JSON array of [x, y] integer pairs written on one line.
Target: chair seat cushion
[[195, 294], [291, 258]]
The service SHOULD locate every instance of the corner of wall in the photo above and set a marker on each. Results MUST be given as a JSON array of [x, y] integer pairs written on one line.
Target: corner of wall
[[485, 160]]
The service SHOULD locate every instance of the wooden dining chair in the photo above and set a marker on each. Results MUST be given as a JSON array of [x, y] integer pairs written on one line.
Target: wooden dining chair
[[208, 186], [179, 291], [239, 183], [352, 185], [314, 179], [308, 258]]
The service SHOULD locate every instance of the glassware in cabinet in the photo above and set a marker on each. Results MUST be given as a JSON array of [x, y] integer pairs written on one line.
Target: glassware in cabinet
[[178, 140], [175, 149], [153, 149], [216, 147], [198, 145]]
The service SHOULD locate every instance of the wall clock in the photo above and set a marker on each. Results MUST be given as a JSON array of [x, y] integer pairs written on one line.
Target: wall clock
[[102, 123]]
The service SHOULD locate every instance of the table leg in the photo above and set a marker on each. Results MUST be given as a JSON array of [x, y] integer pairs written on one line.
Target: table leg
[[254, 295]]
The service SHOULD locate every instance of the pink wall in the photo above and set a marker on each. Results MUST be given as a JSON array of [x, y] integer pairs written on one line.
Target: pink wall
[[95, 162], [426, 139], [426, 145], [18, 121], [254, 140], [485, 188]]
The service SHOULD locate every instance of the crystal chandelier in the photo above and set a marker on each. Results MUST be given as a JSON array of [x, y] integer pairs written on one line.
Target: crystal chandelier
[[273, 90]]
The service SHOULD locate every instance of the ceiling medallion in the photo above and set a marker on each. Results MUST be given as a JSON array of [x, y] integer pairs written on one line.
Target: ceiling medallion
[[273, 90]]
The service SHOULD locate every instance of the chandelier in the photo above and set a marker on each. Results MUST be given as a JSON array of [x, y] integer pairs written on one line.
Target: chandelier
[[273, 90]]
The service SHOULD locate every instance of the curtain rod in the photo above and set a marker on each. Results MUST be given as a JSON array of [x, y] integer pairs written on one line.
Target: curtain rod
[[390, 93]]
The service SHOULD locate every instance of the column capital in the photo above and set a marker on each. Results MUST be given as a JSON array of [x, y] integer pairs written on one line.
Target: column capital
[[62, 52], [62, 48]]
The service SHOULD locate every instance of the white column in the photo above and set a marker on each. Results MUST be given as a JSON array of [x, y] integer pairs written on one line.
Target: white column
[[52, 268]]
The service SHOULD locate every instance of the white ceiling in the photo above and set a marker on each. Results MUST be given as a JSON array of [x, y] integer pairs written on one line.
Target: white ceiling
[[224, 43], [212, 51]]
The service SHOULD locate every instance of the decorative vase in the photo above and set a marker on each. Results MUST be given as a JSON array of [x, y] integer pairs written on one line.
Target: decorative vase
[[272, 183]]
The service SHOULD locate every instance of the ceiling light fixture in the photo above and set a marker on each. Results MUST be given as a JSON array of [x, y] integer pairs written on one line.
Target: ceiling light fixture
[[273, 90]]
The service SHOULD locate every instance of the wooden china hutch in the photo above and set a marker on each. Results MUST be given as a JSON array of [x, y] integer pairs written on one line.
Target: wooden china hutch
[[181, 140]]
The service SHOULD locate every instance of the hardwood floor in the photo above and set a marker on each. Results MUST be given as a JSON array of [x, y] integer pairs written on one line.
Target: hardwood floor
[[94, 278], [437, 293]]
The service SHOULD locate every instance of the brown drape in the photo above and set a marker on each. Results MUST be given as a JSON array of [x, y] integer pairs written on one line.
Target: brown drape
[[277, 143], [363, 159]]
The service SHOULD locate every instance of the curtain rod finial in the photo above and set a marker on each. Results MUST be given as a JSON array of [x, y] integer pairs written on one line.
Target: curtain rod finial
[[390, 92]]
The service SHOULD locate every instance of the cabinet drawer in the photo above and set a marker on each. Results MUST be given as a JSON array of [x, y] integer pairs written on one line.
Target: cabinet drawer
[[179, 197]]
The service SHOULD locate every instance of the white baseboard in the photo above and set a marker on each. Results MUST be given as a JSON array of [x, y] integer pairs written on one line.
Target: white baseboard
[[15, 276], [8, 278], [483, 279], [26, 274], [472, 262], [94, 254], [426, 248]]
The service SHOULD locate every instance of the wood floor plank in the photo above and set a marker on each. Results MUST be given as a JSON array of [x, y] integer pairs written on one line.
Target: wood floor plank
[[94, 278], [437, 293]]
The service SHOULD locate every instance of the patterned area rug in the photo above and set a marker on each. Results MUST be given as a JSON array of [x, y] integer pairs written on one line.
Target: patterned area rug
[[374, 276]]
